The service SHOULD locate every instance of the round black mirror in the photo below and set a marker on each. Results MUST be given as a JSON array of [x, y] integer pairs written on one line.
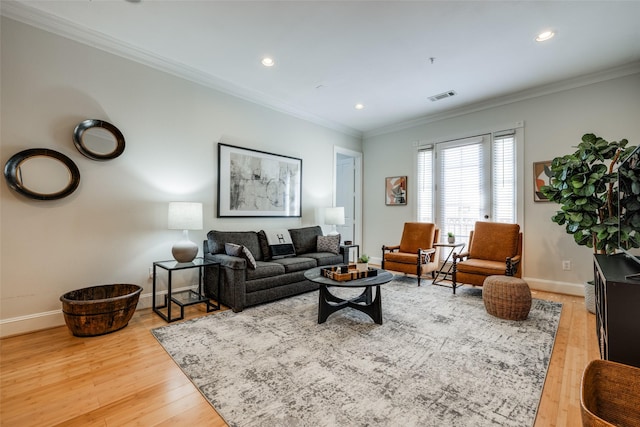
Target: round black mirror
[[98, 140], [42, 174]]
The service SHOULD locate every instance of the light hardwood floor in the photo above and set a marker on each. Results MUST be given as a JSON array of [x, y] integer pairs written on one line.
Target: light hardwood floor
[[126, 378]]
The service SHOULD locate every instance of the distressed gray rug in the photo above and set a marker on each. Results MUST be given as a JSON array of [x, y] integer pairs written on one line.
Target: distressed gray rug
[[437, 360]]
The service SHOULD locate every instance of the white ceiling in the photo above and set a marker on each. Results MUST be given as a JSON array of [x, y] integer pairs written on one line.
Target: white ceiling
[[331, 55]]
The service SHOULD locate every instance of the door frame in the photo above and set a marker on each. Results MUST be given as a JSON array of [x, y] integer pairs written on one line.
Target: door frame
[[357, 215]]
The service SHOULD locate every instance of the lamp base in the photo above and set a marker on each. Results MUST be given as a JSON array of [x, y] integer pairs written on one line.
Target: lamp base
[[184, 250]]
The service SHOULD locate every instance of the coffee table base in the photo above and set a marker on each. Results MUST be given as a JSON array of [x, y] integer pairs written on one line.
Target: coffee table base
[[329, 304]]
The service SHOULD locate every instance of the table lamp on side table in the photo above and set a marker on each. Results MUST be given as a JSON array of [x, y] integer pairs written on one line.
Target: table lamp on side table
[[333, 217], [185, 216]]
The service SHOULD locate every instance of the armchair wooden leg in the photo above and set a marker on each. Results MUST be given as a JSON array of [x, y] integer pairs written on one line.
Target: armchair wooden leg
[[453, 275], [509, 271]]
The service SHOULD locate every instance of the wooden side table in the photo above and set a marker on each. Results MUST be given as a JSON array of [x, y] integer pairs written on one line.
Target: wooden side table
[[186, 297]]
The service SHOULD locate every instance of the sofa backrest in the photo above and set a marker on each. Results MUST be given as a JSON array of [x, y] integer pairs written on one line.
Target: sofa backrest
[[305, 239], [249, 239]]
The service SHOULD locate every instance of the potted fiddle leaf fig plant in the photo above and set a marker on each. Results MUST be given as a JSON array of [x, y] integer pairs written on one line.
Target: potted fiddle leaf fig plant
[[584, 184]]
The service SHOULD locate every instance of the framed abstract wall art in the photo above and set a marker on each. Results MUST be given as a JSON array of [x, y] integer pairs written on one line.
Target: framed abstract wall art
[[541, 176], [254, 183], [395, 190]]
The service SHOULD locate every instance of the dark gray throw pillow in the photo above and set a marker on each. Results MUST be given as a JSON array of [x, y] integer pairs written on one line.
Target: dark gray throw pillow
[[264, 245], [329, 244]]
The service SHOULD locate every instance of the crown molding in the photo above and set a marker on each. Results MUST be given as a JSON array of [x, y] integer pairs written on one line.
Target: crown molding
[[585, 80], [21, 12]]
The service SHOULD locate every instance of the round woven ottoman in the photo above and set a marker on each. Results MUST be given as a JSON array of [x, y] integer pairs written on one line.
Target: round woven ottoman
[[506, 297]]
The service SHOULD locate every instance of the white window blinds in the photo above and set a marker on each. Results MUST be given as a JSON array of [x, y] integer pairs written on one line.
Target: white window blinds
[[463, 181], [503, 177], [425, 184], [461, 200]]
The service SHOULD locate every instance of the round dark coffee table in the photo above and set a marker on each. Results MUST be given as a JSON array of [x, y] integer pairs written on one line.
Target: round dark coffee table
[[329, 303]]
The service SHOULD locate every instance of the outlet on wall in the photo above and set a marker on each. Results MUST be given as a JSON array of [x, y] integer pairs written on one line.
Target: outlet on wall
[[150, 272], [566, 264]]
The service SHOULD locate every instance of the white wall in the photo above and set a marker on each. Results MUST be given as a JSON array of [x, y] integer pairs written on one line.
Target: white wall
[[553, 124], [114, 226]]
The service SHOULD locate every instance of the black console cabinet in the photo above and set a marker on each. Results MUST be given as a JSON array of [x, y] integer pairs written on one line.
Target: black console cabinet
[[617, 308]]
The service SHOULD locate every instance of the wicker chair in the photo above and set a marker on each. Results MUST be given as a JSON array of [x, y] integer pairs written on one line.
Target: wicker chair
[[610, 395], [494, 249], [415, 254]]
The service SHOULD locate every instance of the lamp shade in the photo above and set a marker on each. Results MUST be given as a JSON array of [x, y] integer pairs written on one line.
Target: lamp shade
[[185, 216], [334, 216]]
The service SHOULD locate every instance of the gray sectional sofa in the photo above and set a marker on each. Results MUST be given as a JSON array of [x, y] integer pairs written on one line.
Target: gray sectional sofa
[[242, 285]]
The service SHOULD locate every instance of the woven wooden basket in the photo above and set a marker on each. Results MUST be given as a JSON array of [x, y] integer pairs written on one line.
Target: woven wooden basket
[[506, 297], [610, 395]]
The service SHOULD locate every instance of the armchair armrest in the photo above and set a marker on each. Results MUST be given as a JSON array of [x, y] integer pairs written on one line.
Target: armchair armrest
[[425, 254], [460, 256], [512, 265], [386, 248]]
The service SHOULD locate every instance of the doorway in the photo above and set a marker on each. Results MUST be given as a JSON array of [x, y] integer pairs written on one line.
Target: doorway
[[347, 192]]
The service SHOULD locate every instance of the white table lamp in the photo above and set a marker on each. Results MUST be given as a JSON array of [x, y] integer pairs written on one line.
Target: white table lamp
[[185, 216], [333, 217]]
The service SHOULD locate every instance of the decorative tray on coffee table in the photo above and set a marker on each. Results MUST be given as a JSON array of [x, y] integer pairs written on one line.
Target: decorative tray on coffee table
[[343, 273]]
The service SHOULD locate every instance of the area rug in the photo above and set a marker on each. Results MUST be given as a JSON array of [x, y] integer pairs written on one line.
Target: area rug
[[437, 359]]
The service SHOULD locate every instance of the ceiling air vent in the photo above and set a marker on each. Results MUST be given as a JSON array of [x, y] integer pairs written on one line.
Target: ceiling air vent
[[443, 95]]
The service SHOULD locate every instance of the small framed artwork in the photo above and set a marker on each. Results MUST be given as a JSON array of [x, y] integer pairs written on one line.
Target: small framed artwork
[[541, 176], [395, 190], [254, 183]]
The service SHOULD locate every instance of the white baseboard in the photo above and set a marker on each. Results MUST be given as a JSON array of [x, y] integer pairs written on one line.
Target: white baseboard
[[51, 319], [567, 288]]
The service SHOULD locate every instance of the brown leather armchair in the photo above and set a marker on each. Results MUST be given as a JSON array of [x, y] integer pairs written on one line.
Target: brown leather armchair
[[415, 254], [494, 249]]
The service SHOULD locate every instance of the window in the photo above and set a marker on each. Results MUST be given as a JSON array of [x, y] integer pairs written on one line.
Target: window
[[425, 185], [467, 180]]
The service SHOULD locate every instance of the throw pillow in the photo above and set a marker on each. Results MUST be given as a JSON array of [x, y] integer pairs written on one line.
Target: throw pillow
[[280, 243], [329, 244], [264, 245], [232, 249], [246, 254]]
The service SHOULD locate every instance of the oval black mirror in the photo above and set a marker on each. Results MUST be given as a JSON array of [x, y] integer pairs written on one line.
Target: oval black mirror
[[42, 174], [98, 140]]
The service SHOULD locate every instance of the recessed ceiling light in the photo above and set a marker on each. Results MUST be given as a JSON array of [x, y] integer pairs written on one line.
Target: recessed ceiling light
[[359, 106], [267, 62], [544, 36]]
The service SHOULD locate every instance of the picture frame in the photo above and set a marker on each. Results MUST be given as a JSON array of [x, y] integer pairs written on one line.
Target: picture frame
[[395, 190], [541, 176], [253, 183]]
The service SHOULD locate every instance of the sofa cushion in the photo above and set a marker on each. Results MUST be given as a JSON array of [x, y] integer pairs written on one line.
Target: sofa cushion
[[305, 239], [296, 263], [249, 239], [325, 258], [242, 252], [329, 244], [265, 269]]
